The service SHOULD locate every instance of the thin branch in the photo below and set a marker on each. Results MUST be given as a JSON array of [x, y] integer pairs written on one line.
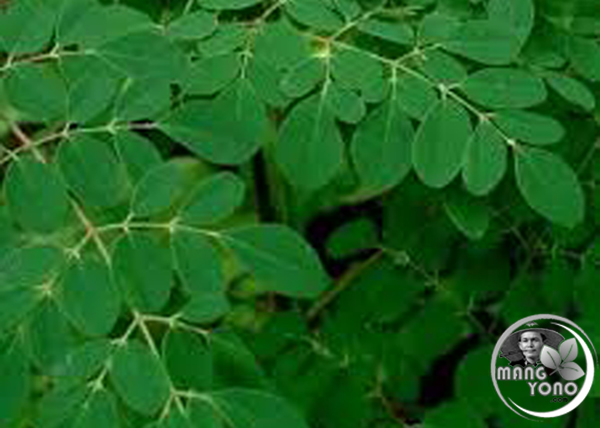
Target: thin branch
[[344, 282], [93, 232]]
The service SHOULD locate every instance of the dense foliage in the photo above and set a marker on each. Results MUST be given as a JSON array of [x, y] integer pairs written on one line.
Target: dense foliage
[[289, 213]]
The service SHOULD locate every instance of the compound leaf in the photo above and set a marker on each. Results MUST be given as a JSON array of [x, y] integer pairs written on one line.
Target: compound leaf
[[529, 127], [485, 159], [93, 171], [227, 130], [214, 199], [440, 143], [549, 186], [37, 91], [505, 88], [36, 195], [139, 378], [188, 360], [279, 259], [488, 42], [195, 25], [309, 136], [199, 267], [142, 268], [244, 407], [571, 90], [89, 297], [382, 147]]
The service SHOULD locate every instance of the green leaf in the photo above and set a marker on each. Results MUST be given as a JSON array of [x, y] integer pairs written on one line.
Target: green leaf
[[29, 267], [26, 27], [227, 130], [93, 171], [279, 258], [37, 91], [199, 267], [202, 414], [505, 88], [139, 378], [488, 42], [397, 32], [470, 215], [89, 297], [443, 68], [584, 55], [310, 136], [280, 45], [161, 189], [440, 143], [22, 274], [440, 311], [233, 363], [303, 78], [16, 384], [265, 79], [414, 96], [517, 15], [244, 407], [36, 196], [100, 411], [146, 55], [98, 25], [142, 268], [529, 127], [228, 37], [437, 27], [382, 147], [137, 153], [571, 90], [91, 84], [317, 14], [188, 360], [48, 335], [143, 99], [210, 75], [214, 199], [456, 410], [549, 186], [357, 70], [228, 4], [59, 407], [476, 390], [485, 159], [195, 25], [82, 361], [352, 237], [346, 104]]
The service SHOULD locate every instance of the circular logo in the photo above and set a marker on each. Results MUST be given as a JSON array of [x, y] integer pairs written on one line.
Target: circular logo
[[543, 366]]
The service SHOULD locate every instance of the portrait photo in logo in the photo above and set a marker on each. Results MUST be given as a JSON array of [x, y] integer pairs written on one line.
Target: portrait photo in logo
[[543, 366], [524, 347]]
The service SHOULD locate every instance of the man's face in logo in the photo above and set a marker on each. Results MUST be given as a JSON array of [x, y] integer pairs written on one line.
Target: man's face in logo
[[531, 345]]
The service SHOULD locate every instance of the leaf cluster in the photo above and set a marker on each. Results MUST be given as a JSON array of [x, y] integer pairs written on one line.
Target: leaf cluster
[[267, 213]]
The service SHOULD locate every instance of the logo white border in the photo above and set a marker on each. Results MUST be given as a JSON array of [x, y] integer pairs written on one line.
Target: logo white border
[[587, 384]]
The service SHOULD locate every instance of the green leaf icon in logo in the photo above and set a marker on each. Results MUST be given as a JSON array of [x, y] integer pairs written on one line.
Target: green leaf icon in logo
[[563, 361]]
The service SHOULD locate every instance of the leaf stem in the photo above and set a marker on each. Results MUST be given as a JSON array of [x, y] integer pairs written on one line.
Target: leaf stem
[[343, 283], [92, 232]]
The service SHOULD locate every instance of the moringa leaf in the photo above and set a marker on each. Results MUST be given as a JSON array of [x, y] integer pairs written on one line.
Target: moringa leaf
[[549, 186], [310, 136], [279, 259], [440, 143]]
